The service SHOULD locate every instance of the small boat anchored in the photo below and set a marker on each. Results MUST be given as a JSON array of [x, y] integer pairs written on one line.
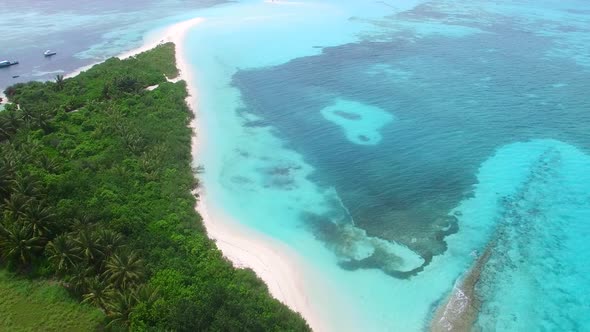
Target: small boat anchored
[[7, 63], [49, 53]]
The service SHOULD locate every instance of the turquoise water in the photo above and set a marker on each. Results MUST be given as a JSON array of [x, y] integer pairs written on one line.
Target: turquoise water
[[390, 143], [537, 277]]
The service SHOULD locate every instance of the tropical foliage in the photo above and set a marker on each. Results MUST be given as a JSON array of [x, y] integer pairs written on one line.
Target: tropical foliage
[[95, 192]]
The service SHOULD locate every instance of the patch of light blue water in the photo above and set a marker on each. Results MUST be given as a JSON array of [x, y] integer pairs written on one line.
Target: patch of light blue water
[[361, 123]]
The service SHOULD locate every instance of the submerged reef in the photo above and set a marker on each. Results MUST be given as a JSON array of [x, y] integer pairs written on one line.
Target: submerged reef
[[358, 249], [527, 259]]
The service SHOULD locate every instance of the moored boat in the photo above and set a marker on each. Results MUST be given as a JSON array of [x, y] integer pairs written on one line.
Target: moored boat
[[49, 53], [7, 63]]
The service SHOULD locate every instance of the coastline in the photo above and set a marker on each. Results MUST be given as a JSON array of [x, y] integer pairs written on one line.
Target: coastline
[[275, 264], [174, 33], [279, 267]]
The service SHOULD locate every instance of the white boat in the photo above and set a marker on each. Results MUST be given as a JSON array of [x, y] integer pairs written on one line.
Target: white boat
[[7, 63], [49, 53]]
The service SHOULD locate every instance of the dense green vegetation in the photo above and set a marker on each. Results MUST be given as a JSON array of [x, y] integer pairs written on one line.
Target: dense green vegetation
[[26, 305], [95, 193]]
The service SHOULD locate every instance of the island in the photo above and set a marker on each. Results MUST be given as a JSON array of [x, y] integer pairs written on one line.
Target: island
[[97, 202]]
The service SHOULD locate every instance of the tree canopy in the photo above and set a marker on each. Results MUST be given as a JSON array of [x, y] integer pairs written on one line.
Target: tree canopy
[[95, 191]]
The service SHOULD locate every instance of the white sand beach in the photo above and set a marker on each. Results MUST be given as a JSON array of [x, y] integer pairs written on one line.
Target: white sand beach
[[274, 263], [278, 266]]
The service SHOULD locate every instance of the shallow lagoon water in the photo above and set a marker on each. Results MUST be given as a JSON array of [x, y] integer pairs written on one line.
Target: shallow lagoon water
[[390, 146]]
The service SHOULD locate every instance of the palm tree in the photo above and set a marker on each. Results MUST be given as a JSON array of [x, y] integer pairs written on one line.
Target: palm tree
[[26, 185], [133, 141], [87, 243], [10, 122], [59, 82], [27, 115], [13, 155], [123, 269], [146, 294], [6, 172], [15, 206], [110, 241], [41, 120], [28, 146], [122, 303], [47, 163], [63, 253], [18, 244], [7, 127], [83, 222], [40, 218], [120, 307], [78, 276], [98, 292]]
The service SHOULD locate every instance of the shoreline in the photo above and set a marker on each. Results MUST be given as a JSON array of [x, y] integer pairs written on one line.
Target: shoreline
[[173, 33], [275, 264]]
